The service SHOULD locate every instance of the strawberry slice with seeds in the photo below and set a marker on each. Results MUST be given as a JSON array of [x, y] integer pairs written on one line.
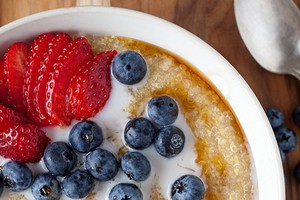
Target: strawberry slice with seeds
[[22, 142], [14, 68], [55, 49], [90, 88], [3, 87], [38, 48], [77, 53], [9, 115]]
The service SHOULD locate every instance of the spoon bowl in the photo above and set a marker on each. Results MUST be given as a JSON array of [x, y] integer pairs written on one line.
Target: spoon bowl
[[271, 31]]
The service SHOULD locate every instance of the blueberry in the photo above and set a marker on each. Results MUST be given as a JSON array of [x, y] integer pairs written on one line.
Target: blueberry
[[129, 67], [286, 138], [297, 172], [163, 110], [188, 187], [77, 185], [85, 136], [169, 141], [46, 187], [139, 133], [102, 165], [124, 191], [296, 116], [275, 117], [16, 176], [59, 158], [136, 166]]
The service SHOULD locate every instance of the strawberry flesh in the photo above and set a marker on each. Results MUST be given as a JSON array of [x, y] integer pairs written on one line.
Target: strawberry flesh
[[19, 140], [38, 48], [14, 68], [55, 49], [22, 142], [54, 81], [90, 88], [77, 53], [9, 115]]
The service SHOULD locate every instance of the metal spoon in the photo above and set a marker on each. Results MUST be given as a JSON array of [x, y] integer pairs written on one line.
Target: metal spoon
[[271, 31]]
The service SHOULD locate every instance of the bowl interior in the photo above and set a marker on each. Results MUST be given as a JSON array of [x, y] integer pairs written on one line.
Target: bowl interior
[[267, 167]]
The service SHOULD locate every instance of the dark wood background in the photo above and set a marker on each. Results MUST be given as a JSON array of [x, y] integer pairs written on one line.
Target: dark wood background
[[214, 22]]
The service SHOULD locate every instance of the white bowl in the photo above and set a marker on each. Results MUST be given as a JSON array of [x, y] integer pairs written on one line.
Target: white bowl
[[267, 169]]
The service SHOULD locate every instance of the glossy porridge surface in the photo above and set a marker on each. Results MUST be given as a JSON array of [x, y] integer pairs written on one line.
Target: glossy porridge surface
[[215, 147]]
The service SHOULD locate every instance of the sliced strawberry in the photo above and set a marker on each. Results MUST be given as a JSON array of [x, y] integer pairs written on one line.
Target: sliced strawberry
[[3, 87], [9, 115], [22, 142], [38, 48], [77, 53], [90, 88], [14, 68], [55, 48]]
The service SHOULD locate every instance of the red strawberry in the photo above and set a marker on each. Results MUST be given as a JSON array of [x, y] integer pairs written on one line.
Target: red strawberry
[[38, 48], [9, 115], [76, 54], [3, 87], [90, 88], [55, 48], [22, 142], [14, 68]]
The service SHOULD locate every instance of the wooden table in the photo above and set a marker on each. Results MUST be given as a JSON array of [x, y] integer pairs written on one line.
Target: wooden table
[[214, 22]]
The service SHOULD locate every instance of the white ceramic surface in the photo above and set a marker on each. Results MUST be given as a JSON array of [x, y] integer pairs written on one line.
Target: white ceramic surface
[[121, 22]]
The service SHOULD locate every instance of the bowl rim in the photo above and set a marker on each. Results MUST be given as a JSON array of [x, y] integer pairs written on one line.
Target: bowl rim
[[268, 167]]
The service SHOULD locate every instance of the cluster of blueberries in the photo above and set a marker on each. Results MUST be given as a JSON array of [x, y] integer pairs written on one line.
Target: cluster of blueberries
[[287, 139], [61, 159], [140, 133]]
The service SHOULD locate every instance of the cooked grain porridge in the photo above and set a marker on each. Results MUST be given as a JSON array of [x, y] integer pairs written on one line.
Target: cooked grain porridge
[[215, 148]]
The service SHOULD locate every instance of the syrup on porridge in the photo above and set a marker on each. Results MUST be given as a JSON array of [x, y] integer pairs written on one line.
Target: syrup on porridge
[[220, 144]]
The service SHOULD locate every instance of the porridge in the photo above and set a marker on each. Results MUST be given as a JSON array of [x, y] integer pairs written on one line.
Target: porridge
[[215, 147]]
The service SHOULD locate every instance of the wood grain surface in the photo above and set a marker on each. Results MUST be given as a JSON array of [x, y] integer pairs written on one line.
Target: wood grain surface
[[214, 22]]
